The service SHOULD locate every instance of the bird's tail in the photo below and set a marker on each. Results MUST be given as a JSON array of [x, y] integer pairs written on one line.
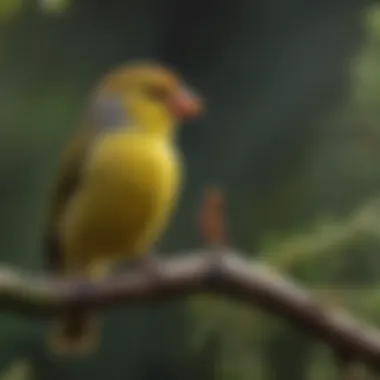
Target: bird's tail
[[74, 334], [77, 332]]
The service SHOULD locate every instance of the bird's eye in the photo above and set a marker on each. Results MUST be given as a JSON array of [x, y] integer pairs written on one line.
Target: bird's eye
[[158, 93]]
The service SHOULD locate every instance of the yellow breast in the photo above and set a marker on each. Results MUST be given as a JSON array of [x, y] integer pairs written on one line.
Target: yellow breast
[[129, 189]]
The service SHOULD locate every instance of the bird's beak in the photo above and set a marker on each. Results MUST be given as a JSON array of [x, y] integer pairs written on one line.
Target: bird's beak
[[184, 105]]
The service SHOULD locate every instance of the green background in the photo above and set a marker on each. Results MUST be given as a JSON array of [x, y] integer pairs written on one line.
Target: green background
[[291, 133]]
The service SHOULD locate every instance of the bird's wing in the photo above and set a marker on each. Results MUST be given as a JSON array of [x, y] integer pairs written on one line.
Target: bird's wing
[[65, 185]]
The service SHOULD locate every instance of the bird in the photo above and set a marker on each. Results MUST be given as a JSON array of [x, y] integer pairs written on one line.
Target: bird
[[119, 179]]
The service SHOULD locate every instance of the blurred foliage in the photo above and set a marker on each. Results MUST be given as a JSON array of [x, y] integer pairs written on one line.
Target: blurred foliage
[[20, 369], [335, 252], [9, 9]]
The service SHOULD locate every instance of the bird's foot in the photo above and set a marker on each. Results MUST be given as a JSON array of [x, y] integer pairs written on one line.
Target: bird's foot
[[99, 269]]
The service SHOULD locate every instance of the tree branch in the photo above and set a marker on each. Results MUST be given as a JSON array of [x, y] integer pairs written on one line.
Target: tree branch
[[190, 274]]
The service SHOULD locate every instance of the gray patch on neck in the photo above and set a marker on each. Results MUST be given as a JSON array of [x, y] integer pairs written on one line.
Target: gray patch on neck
[[108, 113]]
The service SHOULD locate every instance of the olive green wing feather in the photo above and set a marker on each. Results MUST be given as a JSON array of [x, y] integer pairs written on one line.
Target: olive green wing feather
[[65, 185]]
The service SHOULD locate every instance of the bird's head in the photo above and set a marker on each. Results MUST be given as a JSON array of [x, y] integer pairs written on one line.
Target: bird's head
[[146, 95]]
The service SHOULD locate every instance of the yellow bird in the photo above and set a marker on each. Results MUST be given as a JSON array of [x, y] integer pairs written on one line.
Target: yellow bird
[[118, 182]]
